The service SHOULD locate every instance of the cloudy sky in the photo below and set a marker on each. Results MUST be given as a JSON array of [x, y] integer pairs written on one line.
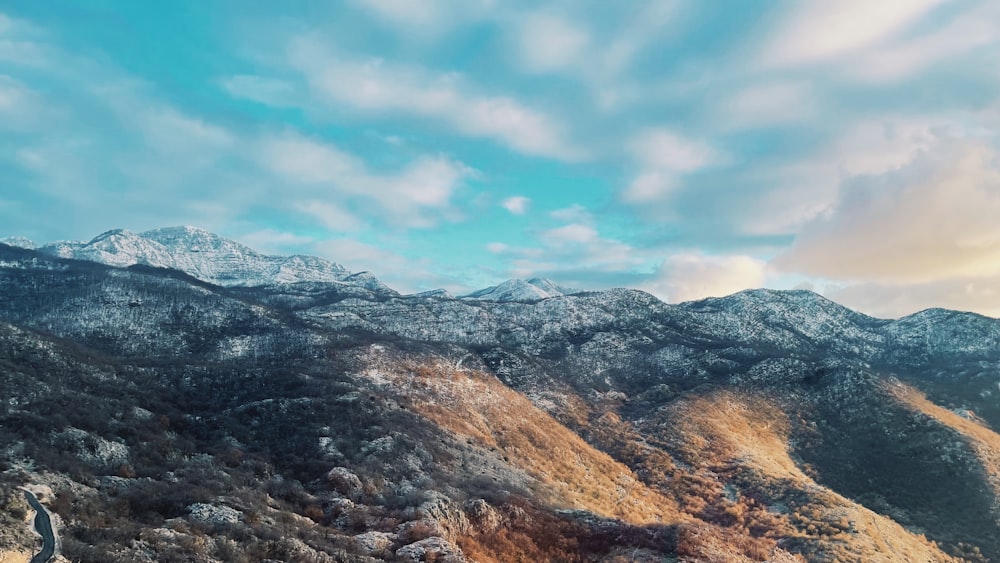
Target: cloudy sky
[[686, 148]]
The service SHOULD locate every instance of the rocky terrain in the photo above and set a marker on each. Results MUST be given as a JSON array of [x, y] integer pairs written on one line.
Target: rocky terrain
[[186, 398]]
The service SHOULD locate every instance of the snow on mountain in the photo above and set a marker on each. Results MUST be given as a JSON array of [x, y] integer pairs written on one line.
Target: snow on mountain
[[208, 257], [534, 289], [20, 242], [434, 293]]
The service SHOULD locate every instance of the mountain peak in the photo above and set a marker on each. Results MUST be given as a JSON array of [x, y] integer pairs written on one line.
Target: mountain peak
[[208, 257], [19, 242], [534, 289]]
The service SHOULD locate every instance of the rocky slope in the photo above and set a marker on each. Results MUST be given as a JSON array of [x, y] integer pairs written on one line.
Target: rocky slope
[[522, 423]]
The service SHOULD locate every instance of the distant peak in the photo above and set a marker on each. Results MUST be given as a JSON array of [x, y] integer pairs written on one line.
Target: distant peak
[[436, 293], [534, 289], [20, 242], [187, 229]]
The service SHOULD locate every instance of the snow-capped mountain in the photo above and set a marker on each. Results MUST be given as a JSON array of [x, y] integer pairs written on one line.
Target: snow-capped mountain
[[534, 289], [205, 256], [749, 396], [20, 242]]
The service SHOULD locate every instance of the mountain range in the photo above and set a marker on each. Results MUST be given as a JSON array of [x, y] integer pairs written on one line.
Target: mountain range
[[177, 396]]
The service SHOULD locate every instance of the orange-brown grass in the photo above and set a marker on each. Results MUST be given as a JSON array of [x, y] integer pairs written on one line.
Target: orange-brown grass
[[573, 473], [743, 440]]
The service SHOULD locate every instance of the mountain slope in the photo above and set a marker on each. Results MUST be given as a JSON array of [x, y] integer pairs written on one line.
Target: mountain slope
[[761, 426]]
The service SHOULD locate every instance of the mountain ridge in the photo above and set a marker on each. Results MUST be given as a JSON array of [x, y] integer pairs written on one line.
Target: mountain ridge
[[763, 426]]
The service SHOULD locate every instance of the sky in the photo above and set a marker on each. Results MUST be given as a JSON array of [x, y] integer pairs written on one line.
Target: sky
[[681, 147]]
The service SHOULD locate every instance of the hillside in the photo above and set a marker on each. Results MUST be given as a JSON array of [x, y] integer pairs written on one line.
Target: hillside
[[176, 418]]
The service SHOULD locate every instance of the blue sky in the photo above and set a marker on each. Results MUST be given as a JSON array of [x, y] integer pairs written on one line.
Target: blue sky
[[687, 148]]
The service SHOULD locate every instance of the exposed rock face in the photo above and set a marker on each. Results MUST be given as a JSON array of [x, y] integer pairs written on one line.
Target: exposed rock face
[[375, 543], [213, 514], [431, 549], [344, 481]]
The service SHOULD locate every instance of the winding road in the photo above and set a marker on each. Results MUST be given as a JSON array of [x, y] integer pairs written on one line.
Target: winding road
[[43, 525]]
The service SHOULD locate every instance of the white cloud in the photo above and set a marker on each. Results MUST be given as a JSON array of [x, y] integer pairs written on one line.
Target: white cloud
[[662, 149], [874, 147], [980, 295], [22, 44], [690, 276], [575, 247], [497, 247], [805, 189], [331, 216], [518, 205], [169, 130], [548, 42], [570, 234], [664, 156], [418, 195], [575, 213], [975, 28], [931, 221], [273, 241], [649, 186], [21, 108], [775, 102], [381, 88], [818, 31], [428, 17], [399, 272], [263, 89]]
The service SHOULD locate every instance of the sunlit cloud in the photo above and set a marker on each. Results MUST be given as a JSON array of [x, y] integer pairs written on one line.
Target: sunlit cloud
[[690, 276], [931, 221]]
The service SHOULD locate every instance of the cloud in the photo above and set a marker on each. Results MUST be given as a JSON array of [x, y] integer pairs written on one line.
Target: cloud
[[976, 28], [548, 42], [169, 130], [577, 250], [262, 89], [331, 216], [418, 195], [497, 247], [980, 295], [383, 89], [820, 31], [274, 241], [661, 149], [22, 43], [404, 274], [428, 17], [21, 108], [570, 234], [931, 221], [800, 191], [877, 146], [690, 276], [775, 102], [575, 213], [518, 205], [664, 156]]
